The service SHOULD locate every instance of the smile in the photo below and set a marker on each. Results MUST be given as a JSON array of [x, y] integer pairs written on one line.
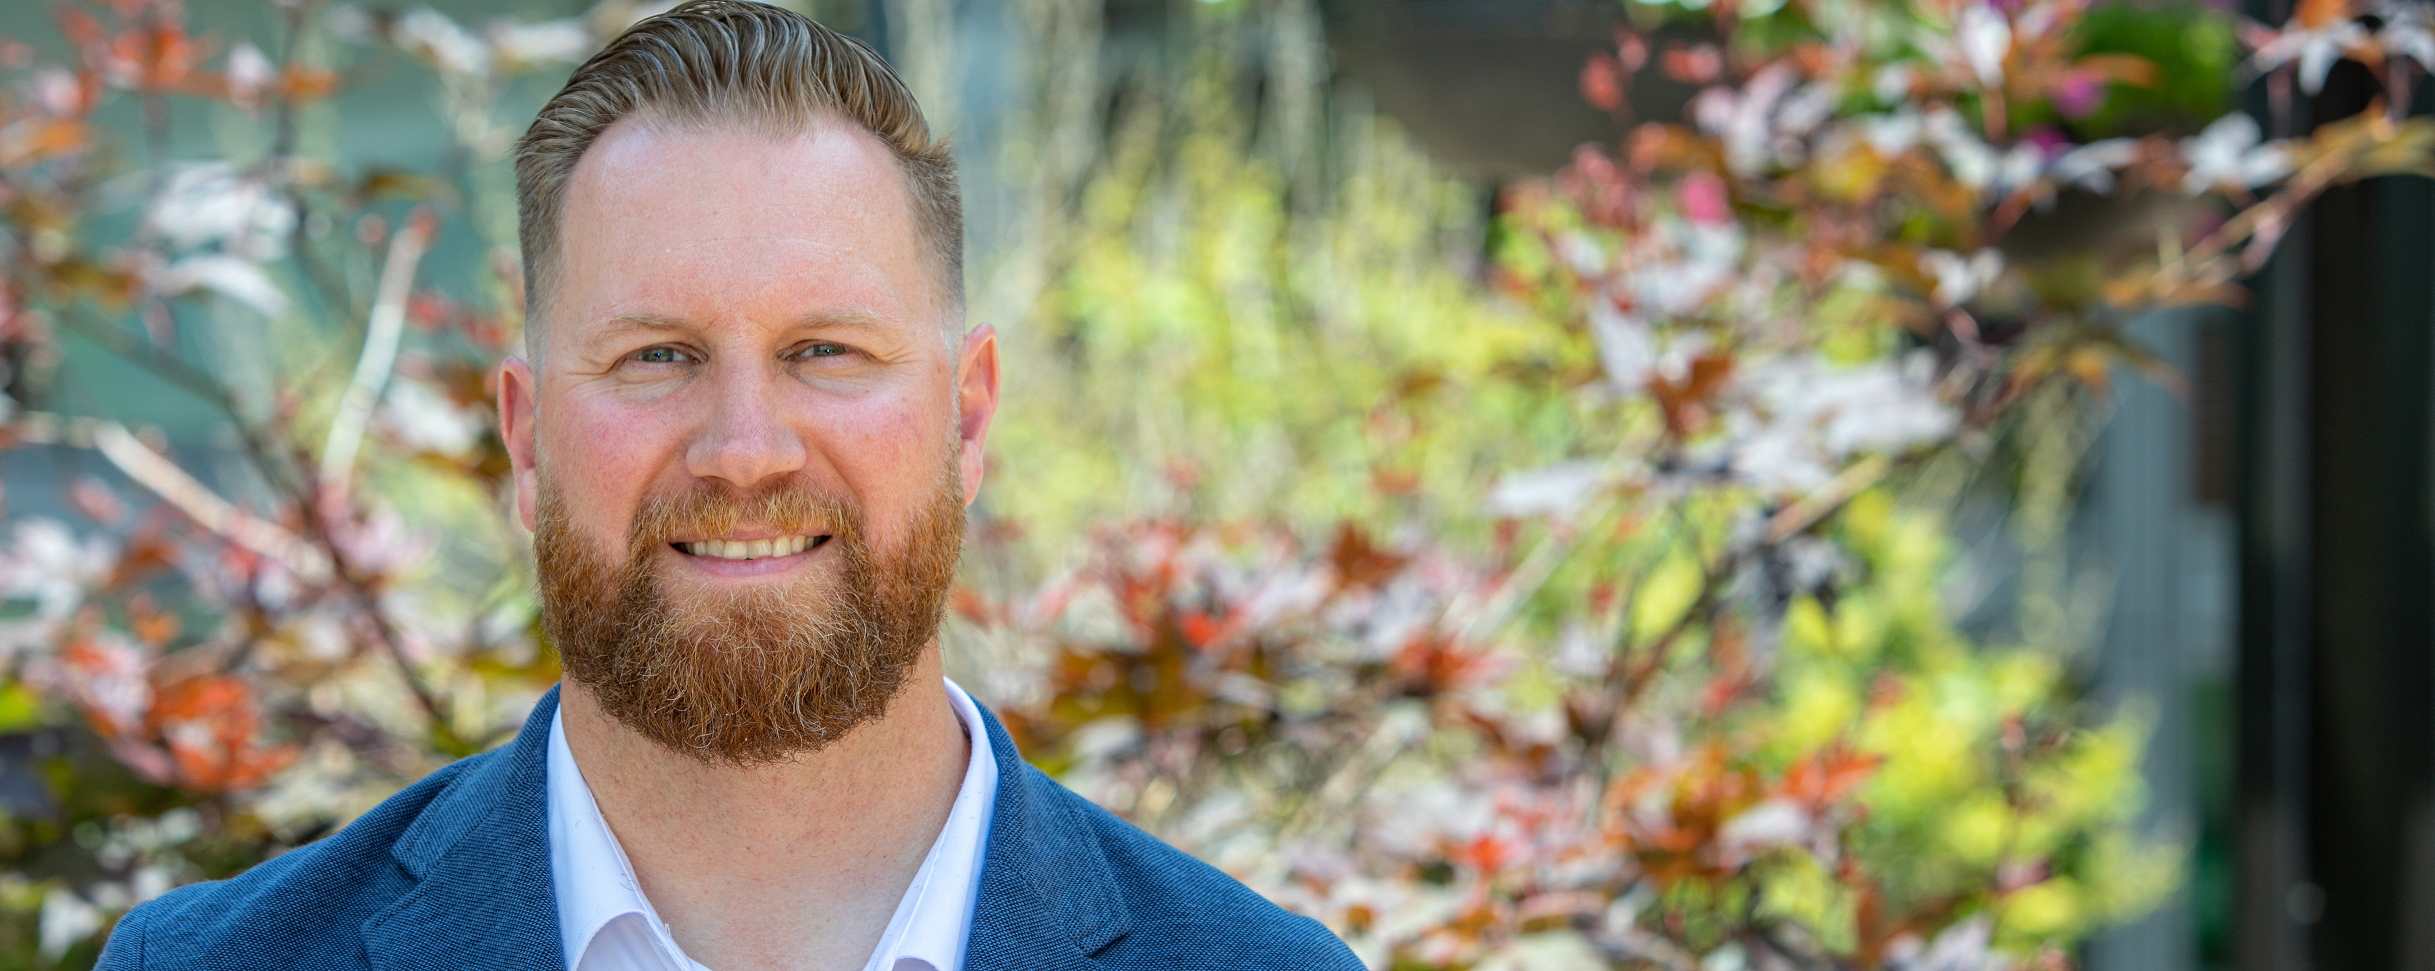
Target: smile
[[750, 549]]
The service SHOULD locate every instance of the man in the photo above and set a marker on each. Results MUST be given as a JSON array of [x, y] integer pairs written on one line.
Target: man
[[749, 423]]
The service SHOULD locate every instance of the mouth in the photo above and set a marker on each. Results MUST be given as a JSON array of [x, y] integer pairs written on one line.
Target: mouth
[[750, 549]]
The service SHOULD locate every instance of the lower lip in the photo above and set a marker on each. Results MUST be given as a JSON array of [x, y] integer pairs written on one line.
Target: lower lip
[[763, 566]]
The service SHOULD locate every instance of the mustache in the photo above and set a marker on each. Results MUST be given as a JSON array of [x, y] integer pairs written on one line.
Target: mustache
[[709, 510]]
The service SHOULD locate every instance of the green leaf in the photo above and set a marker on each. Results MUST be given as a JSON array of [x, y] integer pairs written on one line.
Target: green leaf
[[20, 708]]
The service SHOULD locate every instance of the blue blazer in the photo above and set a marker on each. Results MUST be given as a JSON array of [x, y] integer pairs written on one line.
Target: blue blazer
[[454, 872]]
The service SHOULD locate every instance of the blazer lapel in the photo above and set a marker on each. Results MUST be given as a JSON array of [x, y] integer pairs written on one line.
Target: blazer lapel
[[1048, 897], [481, 854]]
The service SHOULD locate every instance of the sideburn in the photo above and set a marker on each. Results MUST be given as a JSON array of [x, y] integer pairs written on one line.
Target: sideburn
[[758, 677]]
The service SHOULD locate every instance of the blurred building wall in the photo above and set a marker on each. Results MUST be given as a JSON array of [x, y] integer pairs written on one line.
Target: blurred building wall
[[2149, 518]]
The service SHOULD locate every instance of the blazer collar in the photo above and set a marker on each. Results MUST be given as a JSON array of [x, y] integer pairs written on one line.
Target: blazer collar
[[481, 857], [1048, 896], [480, 853]]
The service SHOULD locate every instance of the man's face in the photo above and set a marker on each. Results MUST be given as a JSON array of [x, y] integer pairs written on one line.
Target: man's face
[[746, 439]]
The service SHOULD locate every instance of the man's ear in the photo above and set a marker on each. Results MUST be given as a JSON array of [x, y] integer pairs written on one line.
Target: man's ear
[[976, 399], [518, 390]]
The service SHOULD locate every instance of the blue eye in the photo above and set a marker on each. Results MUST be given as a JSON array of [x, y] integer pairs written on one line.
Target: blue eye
[[661, 355], [823, 350]]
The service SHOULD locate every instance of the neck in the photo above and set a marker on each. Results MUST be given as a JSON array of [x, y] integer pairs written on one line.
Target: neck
[[794, 865]]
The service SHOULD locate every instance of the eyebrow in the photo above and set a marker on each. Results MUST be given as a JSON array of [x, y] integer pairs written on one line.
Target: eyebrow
[[624, 323], [850, 318]]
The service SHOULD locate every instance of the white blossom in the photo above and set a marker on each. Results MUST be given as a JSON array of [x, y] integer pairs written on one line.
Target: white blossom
[[249, 72], [349, 22], [1972, 161], [1892, 134], [1805, 110], [565, 40], [1810, 417], [425, 420], [429, 34], [1557, 489], [45, 563], [2409, 31], [213, 204], [57, 91], [2092, 166], [1626, 347], [1747, 121], [2315, 50], [2228, 153], [239, 280], [150, 881], [1984, 37], [1582, 254], [1892, 84], [1769, 824], [1682, 265], [1958, 277], [618, 15], [66, 921], [1555, 950], [107, 675], [1961, 947]]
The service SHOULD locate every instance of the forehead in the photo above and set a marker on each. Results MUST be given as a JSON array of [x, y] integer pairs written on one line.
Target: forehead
[[683, 220]]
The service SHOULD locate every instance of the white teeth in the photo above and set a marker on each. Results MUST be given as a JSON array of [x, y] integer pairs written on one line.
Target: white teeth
[[748, 549]]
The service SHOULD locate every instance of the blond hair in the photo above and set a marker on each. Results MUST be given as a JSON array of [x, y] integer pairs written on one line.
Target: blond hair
[[737, 62]]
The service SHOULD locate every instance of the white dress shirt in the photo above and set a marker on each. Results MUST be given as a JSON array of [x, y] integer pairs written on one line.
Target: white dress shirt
[[607, 924]]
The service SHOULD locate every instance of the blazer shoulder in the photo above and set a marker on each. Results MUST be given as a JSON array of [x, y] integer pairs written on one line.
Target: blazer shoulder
[[300, 909], [1184, 910]]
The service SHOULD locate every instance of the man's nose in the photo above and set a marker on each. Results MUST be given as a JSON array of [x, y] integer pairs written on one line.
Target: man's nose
[[745, 439]]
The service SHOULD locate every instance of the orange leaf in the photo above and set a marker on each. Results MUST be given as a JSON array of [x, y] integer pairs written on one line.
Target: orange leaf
[[1357, 562], [1199, 629], [34, 140], [300, 83], [1826, 778], [2128, 69], [2093, 367], [2319, 14]]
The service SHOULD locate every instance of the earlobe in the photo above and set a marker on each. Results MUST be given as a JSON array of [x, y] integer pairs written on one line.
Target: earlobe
[[971, 465], [517, 393], [976, 404]]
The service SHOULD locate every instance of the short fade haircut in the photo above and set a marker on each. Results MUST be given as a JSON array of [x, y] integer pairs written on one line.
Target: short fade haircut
[[737, 62]]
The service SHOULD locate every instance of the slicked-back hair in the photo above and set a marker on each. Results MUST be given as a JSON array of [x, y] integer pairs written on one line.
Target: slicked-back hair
[[711, 62]]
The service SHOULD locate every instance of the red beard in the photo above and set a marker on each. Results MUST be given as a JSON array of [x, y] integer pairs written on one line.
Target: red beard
[[761, 676]]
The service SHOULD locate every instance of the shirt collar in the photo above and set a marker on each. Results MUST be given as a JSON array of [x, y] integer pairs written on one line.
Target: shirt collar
[[588, 870], [928, 932], [934, 921]]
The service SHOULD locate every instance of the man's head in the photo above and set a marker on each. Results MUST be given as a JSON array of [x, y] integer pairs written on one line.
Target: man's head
[[739, 65], [746, 451]]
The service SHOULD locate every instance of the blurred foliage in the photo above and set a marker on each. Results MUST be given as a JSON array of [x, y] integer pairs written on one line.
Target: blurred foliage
[[1563, 582], [1687, 693]]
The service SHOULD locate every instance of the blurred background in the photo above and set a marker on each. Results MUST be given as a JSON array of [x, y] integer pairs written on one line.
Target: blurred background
[[1928, 484]]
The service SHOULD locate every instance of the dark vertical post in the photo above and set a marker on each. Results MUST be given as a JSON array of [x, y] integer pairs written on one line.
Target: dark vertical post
[[2369, 746], [2338, 582], [2272, 891], [2270, 496]]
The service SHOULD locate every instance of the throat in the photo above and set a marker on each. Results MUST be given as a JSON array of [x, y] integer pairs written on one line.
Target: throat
[[800, 864]]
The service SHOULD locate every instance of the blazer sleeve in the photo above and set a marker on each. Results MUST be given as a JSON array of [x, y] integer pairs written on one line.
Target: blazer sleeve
[[124, 951]]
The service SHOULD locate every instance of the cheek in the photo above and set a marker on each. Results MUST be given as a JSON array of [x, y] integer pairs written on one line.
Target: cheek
[[602, 459], [890, 453]]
